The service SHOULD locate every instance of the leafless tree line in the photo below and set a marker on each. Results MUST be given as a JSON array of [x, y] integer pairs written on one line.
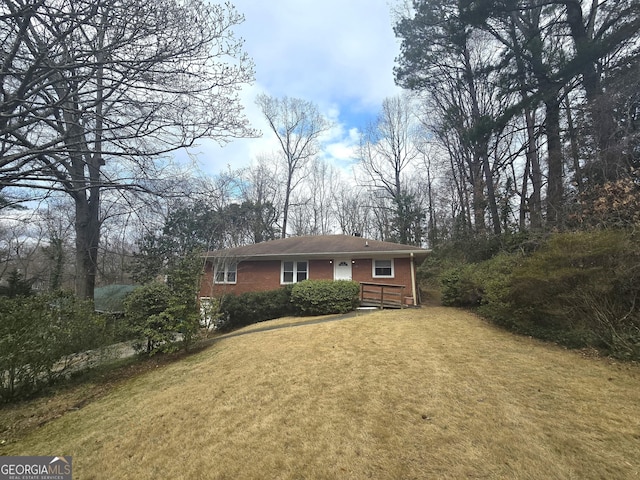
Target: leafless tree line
[[517, 111]]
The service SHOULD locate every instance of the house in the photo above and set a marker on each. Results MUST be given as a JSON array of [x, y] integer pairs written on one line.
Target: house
[[386, 271]]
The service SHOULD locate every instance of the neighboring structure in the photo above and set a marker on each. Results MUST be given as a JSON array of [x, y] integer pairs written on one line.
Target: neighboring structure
[[377, 266], [110, 299]]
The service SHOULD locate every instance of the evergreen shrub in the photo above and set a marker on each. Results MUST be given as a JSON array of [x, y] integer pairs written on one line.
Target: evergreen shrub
[[41, 337], [577, 288], [323, 297], [584, 287], [459, 287], [238, 311], [146, 311]]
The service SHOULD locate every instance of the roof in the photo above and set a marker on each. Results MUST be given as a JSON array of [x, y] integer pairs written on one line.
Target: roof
[[320, 246], [110, 299]]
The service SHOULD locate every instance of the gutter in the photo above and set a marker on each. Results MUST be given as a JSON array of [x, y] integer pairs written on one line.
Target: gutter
[[319, 255], [413, 280]]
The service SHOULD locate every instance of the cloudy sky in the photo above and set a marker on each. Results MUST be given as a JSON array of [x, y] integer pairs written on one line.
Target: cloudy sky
[[338, 54]]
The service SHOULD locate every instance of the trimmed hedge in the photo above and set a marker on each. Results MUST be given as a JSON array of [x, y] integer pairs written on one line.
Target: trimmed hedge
[[310, 297], [238, 311], [323, 297]]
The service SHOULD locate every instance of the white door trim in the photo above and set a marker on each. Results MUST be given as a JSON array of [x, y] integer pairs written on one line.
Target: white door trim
[[342, 269]]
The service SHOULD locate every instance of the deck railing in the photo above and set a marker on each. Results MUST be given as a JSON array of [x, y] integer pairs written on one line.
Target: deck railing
[[382, 295]]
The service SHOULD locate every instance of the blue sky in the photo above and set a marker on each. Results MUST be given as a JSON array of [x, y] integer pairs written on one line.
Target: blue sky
[[338, 54]]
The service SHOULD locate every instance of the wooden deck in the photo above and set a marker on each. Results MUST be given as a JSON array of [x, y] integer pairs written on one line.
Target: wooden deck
[[382, 295]]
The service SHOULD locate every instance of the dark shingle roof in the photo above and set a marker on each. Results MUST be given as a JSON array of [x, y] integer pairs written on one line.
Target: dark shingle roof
[[320, 246]]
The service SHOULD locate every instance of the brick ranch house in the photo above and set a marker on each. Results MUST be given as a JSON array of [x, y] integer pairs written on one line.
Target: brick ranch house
[[386, 271]]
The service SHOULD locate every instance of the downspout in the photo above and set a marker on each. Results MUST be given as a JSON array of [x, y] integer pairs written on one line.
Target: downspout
[[413, 281]]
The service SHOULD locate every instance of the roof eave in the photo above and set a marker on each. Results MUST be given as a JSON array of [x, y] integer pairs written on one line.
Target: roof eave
[[323, 255]]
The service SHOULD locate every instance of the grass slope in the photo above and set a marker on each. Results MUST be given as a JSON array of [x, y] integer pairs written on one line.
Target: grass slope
[[412, 394]]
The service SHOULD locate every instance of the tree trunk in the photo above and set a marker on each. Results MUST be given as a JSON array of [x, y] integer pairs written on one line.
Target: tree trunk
[[555, 188], [84, 188], [533, 203], [432, 234], [287, 199], [573, 141], [87, 228], [57, 257], [480, 156], [535, 200], [603, 124], [491, 192], [479, 200]]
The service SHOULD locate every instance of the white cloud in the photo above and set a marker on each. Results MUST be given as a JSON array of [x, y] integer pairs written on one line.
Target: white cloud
[[323, 50], [337, 54]]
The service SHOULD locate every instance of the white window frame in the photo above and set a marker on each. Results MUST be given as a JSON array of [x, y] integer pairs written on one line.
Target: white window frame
[[226, 269], [295, 271], [373, 268]]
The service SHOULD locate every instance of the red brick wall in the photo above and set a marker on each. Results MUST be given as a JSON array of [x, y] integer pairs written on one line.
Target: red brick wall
[[363, 272], [320, 270], [402, 273], [254, 276]]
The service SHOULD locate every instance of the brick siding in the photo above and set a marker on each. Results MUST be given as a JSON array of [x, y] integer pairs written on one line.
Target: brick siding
[[253, 276]]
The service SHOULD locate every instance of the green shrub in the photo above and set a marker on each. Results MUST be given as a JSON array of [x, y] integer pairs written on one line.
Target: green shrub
[[183, 280], [578, 289], [459, 287], [494, 279], [457, 273], [40, 338], [238, 311], [16, 286], [323, 297], [428, 275], [145, 309], [159, 313], [584, 287], [477, 249]]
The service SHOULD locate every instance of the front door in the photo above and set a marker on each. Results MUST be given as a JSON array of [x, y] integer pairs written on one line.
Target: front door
[[342, 269]]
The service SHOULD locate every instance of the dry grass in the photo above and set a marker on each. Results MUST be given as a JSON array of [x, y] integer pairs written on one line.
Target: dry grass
[[431, 393]]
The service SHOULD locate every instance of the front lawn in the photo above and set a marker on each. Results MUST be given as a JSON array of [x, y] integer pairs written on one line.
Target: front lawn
[[417, 393]]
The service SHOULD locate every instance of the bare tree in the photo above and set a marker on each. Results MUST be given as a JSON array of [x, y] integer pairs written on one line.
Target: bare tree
[[94, 92], [260, 188], [388, 147], [298, 126], [312, 206], [352, 210]]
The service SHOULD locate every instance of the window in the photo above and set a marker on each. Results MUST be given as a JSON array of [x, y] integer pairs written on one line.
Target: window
[[383, 268], [293, 272], [226, 273]]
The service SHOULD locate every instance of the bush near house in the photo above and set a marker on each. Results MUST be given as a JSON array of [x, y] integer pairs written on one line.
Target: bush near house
[[310, 297], [238, 311], [323, 297], [579, 289]]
